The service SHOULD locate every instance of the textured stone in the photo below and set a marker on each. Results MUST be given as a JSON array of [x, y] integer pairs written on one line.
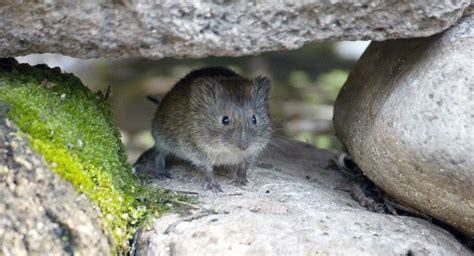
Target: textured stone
[[156, 29], [406, 115], [40, 214], [294, 205]]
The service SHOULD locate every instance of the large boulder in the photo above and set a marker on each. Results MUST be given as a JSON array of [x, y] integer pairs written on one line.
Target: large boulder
[[406, 116], [295, 204], [157, 29]]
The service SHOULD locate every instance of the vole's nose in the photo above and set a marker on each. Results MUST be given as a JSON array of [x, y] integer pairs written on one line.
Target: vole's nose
[[243, 145]]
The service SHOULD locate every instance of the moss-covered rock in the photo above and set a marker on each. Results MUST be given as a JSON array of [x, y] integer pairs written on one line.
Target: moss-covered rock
[[73, 129], [41, 213]]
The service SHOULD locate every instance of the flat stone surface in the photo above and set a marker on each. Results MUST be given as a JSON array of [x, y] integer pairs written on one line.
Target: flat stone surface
[[156, 29], [294, 205], [40, 214], [405, 115]]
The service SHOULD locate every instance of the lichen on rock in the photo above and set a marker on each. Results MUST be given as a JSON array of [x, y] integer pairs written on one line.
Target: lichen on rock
[[73, 129]]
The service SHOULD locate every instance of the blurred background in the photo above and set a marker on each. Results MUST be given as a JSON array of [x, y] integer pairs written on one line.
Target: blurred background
[[305, 85]]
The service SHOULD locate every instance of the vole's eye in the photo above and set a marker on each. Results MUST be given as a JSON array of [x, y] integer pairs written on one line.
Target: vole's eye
[[254, 120], [225, 120]]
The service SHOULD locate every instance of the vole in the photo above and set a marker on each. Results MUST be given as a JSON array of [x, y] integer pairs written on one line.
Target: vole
[[213, 117]]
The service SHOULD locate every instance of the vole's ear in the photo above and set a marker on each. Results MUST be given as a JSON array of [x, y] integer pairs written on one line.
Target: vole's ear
[[261, 89]]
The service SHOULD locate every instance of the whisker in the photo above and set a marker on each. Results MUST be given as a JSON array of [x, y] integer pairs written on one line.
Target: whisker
[[270, 152]]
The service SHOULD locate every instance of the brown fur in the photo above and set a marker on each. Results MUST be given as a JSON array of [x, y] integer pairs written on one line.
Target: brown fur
[[188, 122]]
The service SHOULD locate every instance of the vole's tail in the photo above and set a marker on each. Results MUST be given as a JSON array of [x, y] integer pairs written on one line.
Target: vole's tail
[[154, 100]]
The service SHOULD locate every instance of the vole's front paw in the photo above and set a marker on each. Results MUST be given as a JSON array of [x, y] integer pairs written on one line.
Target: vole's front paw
[[239, 181], [212, 185]]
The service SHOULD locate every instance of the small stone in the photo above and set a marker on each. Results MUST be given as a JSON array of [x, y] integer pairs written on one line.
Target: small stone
[[23, 162], [4, 170], [264, 165], [80, 143]]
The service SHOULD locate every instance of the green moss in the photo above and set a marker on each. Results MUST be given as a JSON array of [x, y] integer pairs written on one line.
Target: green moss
[[74, 130]]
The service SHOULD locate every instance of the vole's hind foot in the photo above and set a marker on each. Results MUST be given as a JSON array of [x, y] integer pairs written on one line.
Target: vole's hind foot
[[213, 186], [161, 175], [160, 167], [239, 181]]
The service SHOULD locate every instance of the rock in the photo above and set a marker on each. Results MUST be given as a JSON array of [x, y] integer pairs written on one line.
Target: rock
[[40, 214], [405, 115], [72, 128], [294, 205], [126, 28]]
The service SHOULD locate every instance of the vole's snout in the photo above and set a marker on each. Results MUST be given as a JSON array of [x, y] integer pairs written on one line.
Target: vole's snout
[[243, 144]]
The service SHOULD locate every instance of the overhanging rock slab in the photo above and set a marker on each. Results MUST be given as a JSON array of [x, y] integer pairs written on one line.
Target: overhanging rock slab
[[156, 29]]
